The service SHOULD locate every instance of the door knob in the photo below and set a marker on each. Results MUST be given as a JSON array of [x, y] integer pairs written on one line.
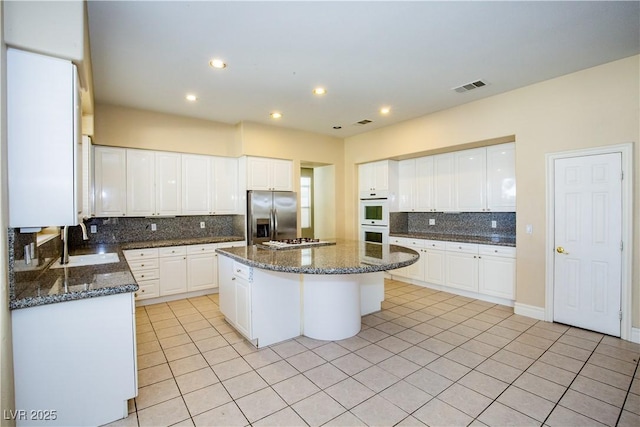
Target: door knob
[[560, 250]]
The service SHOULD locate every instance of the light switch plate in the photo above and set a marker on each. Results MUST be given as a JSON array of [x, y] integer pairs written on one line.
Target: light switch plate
[[202, 224], [432, 221], [93, 229], [529, 229], [494, 224]]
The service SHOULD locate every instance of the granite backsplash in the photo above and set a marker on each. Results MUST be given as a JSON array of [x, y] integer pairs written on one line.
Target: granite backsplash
[[459, 223], [125, 230]]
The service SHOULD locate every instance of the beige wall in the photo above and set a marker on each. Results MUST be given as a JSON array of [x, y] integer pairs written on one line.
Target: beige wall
[[128, 127], [591, 108], [6, 348]]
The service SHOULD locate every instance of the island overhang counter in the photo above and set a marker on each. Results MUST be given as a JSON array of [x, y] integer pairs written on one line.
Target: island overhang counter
[[319, 292]]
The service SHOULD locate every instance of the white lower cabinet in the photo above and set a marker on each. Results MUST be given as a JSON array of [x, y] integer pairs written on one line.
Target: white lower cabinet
[[262, 305], [75, 361], [497, 271], [472, 269], [175, 270]]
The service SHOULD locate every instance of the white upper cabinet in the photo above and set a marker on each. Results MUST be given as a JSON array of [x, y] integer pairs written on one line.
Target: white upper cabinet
[[444, 168], [501, 177], [269, 174], [141, 168], [470, 180], [476, 180], [415, 185], [376, 179], [225, 185], [168, 180], [43, 133], [196, 184], [110, 181]]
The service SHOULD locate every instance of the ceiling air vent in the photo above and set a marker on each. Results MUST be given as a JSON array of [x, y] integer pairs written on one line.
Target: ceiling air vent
[[362, 122], [469, 86]]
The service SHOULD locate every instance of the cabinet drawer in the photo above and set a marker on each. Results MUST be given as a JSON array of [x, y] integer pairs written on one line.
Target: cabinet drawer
[[143, 275], [435, 244], [142, 264], [172, 251], [141, 253], [467, 248], [242, 271], [505, 251], [231, 244], [148, 289], [201, 249]]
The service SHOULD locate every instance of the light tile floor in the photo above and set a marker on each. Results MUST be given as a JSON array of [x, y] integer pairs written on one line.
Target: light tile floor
[[428, 358]]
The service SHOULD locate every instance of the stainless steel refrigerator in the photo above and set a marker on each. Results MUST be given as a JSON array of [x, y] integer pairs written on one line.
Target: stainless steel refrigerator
[[271, 215]]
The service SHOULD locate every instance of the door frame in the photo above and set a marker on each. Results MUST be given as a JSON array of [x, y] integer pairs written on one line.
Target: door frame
[[626, 303]]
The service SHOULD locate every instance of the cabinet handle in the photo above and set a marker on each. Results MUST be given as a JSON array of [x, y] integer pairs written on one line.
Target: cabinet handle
[[141, 265], [142, 275], [233, 278]]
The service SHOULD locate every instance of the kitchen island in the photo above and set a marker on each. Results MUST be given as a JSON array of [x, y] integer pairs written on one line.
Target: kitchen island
[[319, 292]]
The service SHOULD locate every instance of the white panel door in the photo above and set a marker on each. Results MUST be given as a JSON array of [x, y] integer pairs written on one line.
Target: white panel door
[[423, 194], [471, 180], [168, 183], [444, 179], [588, 236], [196, 185], [141, 200]]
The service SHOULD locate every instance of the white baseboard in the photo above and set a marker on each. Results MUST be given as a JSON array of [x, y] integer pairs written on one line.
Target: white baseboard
[[635, 335], [529, 311]]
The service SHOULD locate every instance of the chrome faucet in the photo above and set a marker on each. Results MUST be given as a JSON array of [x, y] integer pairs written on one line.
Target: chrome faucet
[[64, 259]]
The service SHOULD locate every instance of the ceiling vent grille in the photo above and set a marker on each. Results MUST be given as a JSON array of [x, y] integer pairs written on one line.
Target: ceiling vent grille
[[469, 86], [362, 122]]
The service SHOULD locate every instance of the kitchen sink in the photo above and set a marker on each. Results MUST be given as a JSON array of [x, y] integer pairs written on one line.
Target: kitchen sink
[[90, 259]]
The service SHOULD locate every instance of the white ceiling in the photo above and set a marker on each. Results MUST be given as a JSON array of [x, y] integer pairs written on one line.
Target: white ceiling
[[367, 54]]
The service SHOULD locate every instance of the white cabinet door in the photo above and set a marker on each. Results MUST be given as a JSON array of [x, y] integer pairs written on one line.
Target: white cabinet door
[[110, 181], [269, 174], [282, 175], [227, 288], [173, 275], [444, 182], [201, 271], [373, 179], [196, 185], [243, 306], [225, 185], [141, 167], [470, 180], [434, 270], [501, 178], [497, 276], [423, 193], [43, 117], [462, 271], [407, 183], [168, 179]]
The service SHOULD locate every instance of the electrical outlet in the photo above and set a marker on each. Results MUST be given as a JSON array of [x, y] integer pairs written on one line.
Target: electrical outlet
[[494, 224], [153, 227], [529, 229], [202, 224], [93, 229], [432, 221]]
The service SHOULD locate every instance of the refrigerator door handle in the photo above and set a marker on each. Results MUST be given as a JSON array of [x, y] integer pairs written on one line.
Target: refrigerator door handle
[[275, 224], [271, 225]]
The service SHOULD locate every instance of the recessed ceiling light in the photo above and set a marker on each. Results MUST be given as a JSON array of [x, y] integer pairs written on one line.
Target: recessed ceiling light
[[319, 91], [191, 97], [385, 110], [276, 115], [217, 63]]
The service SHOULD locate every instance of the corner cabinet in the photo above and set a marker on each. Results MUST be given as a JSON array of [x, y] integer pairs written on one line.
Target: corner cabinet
[[269, 174], [43, 133]]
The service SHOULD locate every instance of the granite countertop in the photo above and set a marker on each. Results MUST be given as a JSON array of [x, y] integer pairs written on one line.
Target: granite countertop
[[462, 238], [44, 285], [345, 257]]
